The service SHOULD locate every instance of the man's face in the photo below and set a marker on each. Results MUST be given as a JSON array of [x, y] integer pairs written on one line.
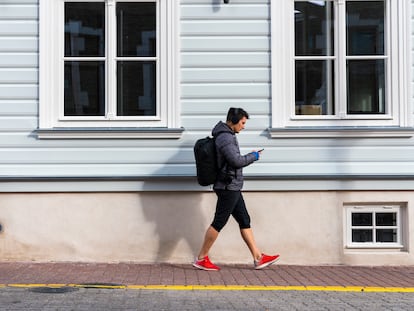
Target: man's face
[[238, 127]]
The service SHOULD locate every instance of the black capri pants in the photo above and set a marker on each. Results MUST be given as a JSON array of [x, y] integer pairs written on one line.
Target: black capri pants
[[230, 203]]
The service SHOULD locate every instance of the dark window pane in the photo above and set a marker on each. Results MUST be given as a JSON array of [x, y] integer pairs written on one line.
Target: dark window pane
[[362, 235], [366, 86], [314, 94], [84, 89], [386, 235], [386, 219], [314, 30], [84, 29], [136, 88], [136, 26], [365, 27], [361, 219]]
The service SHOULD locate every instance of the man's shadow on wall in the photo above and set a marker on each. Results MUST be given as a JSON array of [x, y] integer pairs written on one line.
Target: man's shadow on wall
[[216, 5], [178, 218], [177, 215]]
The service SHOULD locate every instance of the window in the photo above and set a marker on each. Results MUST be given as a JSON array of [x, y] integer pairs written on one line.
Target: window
[[374, 226], [342, 63], [108, 65]]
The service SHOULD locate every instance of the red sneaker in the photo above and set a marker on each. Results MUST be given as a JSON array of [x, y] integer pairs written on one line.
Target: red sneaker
[[205, 264], [265, 261]]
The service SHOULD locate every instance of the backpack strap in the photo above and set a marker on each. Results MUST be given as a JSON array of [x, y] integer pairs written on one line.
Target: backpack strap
[[215, 137]]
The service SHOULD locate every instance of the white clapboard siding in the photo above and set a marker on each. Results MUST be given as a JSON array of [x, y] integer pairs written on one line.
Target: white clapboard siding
[[258, 27], [225, 62], [18, 44], [19, 108], [18, 10], [19, 28], [18, 91], [19, 75], [19, 60], [224, 75]]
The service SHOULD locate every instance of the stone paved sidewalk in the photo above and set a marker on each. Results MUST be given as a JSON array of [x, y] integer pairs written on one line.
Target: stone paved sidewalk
[[185, 275]]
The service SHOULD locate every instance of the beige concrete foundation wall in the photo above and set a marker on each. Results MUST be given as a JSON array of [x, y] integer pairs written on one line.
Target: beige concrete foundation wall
[[304, 227]]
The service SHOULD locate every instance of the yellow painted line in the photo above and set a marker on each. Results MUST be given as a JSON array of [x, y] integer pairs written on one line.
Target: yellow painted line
[[101, 286], [35, 285], [370, 289], [216, 287]]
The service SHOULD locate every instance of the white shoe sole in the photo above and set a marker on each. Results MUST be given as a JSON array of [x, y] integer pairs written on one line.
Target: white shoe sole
[[203, 268], [266, 264]]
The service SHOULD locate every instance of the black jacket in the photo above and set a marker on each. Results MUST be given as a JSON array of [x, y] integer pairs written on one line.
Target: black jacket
[[229, 157]]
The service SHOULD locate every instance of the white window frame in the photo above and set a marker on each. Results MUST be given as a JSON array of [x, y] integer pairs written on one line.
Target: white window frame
[[399, 114], [53, 123], [399, 244]]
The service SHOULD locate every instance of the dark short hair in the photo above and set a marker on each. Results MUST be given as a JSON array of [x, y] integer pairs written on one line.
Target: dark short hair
[[234, 115]]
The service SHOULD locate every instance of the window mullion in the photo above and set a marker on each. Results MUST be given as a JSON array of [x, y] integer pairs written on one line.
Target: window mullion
[[341, 60], [111, 60], [330, 75], [160, 97]]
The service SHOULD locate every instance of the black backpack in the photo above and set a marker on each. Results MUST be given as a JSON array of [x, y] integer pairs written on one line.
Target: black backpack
[[206, 160]]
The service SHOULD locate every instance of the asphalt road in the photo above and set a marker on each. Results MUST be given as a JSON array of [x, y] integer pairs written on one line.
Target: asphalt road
[[71, 298]]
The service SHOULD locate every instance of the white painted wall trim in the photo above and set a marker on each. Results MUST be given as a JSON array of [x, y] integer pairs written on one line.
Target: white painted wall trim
[[341, 132], [189, 183], [283, 79], [105, 133], [51, 74]]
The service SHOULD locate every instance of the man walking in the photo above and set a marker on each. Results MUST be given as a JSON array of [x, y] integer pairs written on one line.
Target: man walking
[[228, 190]]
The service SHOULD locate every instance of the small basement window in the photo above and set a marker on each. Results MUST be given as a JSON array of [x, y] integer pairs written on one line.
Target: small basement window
[[374, 226]]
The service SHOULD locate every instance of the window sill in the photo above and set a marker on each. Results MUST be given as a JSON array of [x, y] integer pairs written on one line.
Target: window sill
[[362, 247], [110, 133], [342, 132]]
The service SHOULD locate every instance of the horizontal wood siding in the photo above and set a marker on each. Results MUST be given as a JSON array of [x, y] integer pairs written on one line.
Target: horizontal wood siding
[[18, 77], [225, 62]]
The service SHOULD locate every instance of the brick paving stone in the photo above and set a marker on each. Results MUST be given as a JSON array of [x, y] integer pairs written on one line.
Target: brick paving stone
[[251, 275], [180, 274], [238, 276]]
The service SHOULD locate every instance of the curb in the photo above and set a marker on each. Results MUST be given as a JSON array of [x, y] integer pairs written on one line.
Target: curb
[[368, 289]]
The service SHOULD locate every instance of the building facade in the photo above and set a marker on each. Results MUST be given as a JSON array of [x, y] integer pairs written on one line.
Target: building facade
[[101, 103]]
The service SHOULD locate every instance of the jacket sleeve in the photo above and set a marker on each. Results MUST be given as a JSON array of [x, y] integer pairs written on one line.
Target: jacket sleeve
[[230, 151]]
